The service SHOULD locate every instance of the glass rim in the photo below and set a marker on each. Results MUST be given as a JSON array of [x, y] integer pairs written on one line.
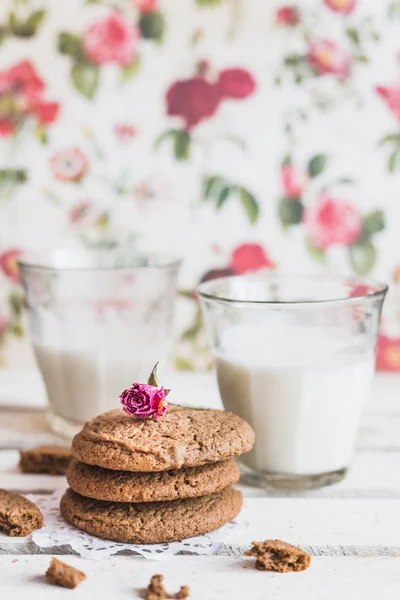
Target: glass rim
[[204, 290], [157, 261]]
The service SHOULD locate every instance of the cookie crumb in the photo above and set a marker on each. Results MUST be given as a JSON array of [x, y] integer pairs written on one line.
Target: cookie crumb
[[52, 460], [64, 575], [157, 591], [275, 555]]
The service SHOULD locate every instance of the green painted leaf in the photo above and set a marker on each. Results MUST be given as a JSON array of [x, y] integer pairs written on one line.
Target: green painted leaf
[[250, 204], [152, 380], [70, 44], [316, 165], [164, 136], [194, 329], [316, 253], [290, 211], [152, 25], [393, 159], [35, 19], [181, 364], [374, 222], [223, 196], [362, 257], [235, 139], [182, 144], [293, 60], [130, 71], [211, 184], [85, 78], [13, 176], [41, 134], [390, 138], [353, 35], [362, 58]]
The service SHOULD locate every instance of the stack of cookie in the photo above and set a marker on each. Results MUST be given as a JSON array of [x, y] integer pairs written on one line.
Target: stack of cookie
[[145, 481]]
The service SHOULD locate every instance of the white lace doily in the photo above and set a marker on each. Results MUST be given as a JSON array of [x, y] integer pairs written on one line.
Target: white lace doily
[[56, 532]]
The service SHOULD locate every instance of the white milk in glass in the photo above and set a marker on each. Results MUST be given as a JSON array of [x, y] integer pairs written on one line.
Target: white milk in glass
[[303, 395]]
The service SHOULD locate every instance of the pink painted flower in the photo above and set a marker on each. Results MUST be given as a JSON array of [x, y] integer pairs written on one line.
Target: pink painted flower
[[69, 165], [332, 222], [236, 83], [9, 265], [24, 78], [144, 401], [124, 131], [293, 181], [111, 40], [247, 258], [145, 6], [193, 99], [46, 112], [326, 57], [287, 15], [80, 212], [341, 6], [391, 96]]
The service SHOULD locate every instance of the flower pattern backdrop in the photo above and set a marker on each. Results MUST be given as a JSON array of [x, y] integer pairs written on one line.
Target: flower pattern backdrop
[[240, 134]]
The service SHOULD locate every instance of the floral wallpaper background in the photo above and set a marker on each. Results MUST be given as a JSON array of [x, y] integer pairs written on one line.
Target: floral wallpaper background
[[240, 134]]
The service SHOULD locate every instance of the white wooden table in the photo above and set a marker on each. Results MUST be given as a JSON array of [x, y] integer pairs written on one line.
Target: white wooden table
[[352, 529]]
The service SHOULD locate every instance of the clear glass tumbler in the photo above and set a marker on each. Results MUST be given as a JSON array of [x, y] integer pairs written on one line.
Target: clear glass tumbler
[[295, 358], [97, 323]]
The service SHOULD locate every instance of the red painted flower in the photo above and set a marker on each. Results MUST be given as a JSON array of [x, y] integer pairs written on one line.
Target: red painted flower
[[250, 257], [236, 83], [326, 57], [145, 6], [287, 15], [193, 99], [20, 98], [24, 78], [391, 96], [293, 181], [341, 6], [9, 266], [69, 164], [331, 222], [111, 40], [388, 354]]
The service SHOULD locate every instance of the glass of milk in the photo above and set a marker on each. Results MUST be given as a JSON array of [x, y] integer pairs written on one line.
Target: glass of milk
[[295, 358], [99, 321]]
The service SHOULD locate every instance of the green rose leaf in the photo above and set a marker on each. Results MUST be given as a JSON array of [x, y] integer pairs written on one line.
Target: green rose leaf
[[390, 138], [70, 44], [249, 204], [353, 35], [152, 380], [373, 222], [130, 71], [316, 165], [290, 211], [362, 257], [152, 25], [223, 196], [13, 176], [316, 253], [393, 161], [85, 78]]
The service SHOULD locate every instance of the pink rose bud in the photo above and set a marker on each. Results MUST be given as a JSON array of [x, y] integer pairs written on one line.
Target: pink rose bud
[[145, 400]]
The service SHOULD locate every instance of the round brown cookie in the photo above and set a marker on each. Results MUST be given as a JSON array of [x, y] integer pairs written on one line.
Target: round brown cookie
[[151, 522], [184, 437], [124, 486]]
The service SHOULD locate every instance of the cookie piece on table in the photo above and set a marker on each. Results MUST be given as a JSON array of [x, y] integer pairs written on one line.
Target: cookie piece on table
[[151, 522], [59, 573], [18, 516], [125, 486], [184, 437], [53, 460], [156, 590], [275, 555]]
